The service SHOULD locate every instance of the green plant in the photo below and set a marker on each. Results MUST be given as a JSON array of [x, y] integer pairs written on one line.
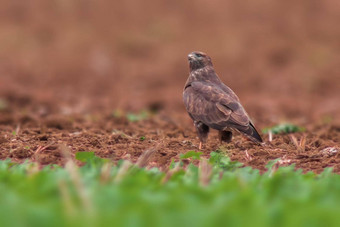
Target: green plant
[[100, 193], [191, 154], [133, 117], [284, 128]]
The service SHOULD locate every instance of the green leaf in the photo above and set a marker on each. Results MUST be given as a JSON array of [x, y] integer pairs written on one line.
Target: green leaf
[[222, 161], [133, 117], [214, 157], [191, 154], [90, 158], [85, 156], [113, 195], [284, 128], [177, 175]]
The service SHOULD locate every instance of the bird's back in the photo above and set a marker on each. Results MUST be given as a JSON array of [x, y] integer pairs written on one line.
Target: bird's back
[[208, 100]]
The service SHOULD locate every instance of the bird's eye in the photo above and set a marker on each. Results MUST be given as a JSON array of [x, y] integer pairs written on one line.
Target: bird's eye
[[199, 55]]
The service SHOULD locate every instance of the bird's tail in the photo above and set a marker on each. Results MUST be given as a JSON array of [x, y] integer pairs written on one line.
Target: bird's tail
[[251, 133]]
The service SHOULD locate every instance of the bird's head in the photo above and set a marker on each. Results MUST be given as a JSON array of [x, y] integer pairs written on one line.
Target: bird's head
[[198, 60]]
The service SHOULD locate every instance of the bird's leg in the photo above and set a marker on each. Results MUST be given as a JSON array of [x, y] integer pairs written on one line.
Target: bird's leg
[[225, 136], [200, 146], [202, 132]]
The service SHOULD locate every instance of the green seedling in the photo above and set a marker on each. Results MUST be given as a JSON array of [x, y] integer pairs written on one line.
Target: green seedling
[[219, 159], [134, 117], [191, 154], [91, 195], [284, 129], [90, 158]]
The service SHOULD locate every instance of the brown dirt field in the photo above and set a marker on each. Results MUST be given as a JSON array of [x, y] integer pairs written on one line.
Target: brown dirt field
[[71, 72]]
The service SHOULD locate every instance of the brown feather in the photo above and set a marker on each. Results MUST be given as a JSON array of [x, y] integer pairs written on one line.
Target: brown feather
[[211, 103]]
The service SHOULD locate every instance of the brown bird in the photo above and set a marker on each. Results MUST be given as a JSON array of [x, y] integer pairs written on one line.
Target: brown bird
[[212, 104]]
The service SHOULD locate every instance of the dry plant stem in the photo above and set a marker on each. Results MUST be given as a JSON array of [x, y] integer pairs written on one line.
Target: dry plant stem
[[105, 173], [76, 179], [143, 160], [17, 130], [274, 169], [220, 175], [34, 169], [270, 136], [300, 145], [294, 140], [70, 209], [77, 182], [248, 157], [281, 162], [40, 149], [303, 143], [205, 171], [169, 174], [118, 132], [122, 170]]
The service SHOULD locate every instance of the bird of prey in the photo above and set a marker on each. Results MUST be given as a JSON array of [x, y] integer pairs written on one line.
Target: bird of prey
[[212, 104]]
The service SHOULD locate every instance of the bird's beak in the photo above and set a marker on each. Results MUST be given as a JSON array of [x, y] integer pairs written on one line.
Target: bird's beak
[[191, 57]]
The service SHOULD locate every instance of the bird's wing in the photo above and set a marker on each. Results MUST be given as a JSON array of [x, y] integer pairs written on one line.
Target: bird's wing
[[216, 108], [227, 90]]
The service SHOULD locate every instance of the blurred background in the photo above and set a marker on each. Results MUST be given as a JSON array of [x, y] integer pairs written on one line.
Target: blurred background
[[85, 56]]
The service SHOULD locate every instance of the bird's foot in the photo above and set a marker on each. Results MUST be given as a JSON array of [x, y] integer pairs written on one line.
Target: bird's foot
[[225, 136]]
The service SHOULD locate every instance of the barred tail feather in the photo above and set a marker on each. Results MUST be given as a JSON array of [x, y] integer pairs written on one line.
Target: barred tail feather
[[251, 133]]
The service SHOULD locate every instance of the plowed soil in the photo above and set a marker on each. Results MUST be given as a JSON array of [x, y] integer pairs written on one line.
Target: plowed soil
[[111, 82]]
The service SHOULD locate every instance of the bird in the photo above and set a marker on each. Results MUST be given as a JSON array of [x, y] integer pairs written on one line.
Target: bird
[[212, 104]]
